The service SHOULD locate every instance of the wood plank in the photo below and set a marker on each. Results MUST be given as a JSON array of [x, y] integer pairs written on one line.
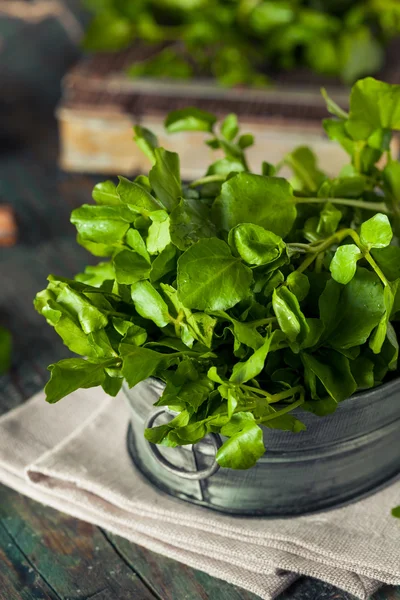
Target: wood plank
[[388, 593], [18, 579], [307, 588], [313, 589], [72, 556], [174, 581], [100, 141]]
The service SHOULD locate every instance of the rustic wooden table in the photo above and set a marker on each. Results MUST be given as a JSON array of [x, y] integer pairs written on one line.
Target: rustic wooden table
[[45, 554]]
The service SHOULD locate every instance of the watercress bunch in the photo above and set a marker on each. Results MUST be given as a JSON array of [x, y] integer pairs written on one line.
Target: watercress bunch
[[249, 295], [238, 41]]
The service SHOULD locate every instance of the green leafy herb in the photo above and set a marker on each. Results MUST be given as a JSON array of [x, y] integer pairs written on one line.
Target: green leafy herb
[[238, 42], [247, 297], [376, 232], [210, 278], [73, 373], [344, 264], [190, 119], [249, 198]]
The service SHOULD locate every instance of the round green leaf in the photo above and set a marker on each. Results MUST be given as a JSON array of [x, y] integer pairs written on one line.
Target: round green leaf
[[149, 304], [333, 370], [344, 264], [298, 284], [133, 193], [165, 178], [130, 267], [376, 232], [189, 119], [102, 224], [350, 313], [210, 278], [264, 201], [105, 192], [229, 127], [290, 317], [255, 245], [71, 374], [373, 105], [245, 444]]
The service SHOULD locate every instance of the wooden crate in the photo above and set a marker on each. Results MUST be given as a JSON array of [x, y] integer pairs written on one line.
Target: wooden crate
[[101, 103]]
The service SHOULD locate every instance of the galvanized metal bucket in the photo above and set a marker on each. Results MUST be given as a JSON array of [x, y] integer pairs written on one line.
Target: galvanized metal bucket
[[339, 458]]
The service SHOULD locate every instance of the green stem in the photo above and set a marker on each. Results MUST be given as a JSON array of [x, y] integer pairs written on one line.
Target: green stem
[[207, 179], [272, 398], [316, 248], [261, 322], [177, 323], [376, 206], [336, 238], [299, 245], [258, 323], [286, 394], [255, 390], [178, 354], [279, 413], [366, 254], [343, 233], [307, 262], [377, 270]]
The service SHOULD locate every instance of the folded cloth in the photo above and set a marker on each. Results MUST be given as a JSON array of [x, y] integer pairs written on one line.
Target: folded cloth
[[72, 456]]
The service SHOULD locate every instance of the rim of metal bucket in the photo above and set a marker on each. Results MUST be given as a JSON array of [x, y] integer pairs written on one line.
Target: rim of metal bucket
[[168, 466]]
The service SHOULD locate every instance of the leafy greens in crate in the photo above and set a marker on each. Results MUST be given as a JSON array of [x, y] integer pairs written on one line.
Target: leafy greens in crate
[[248, 295], [236, 41]]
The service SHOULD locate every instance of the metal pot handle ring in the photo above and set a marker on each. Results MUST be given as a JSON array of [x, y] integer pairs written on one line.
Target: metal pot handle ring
[[192, 475]]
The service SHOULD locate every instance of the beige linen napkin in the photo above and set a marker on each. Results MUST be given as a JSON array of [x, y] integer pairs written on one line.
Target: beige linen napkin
[[72, 456]]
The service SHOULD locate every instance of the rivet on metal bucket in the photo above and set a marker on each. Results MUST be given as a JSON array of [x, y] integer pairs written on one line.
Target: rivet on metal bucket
[[192, 475]]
